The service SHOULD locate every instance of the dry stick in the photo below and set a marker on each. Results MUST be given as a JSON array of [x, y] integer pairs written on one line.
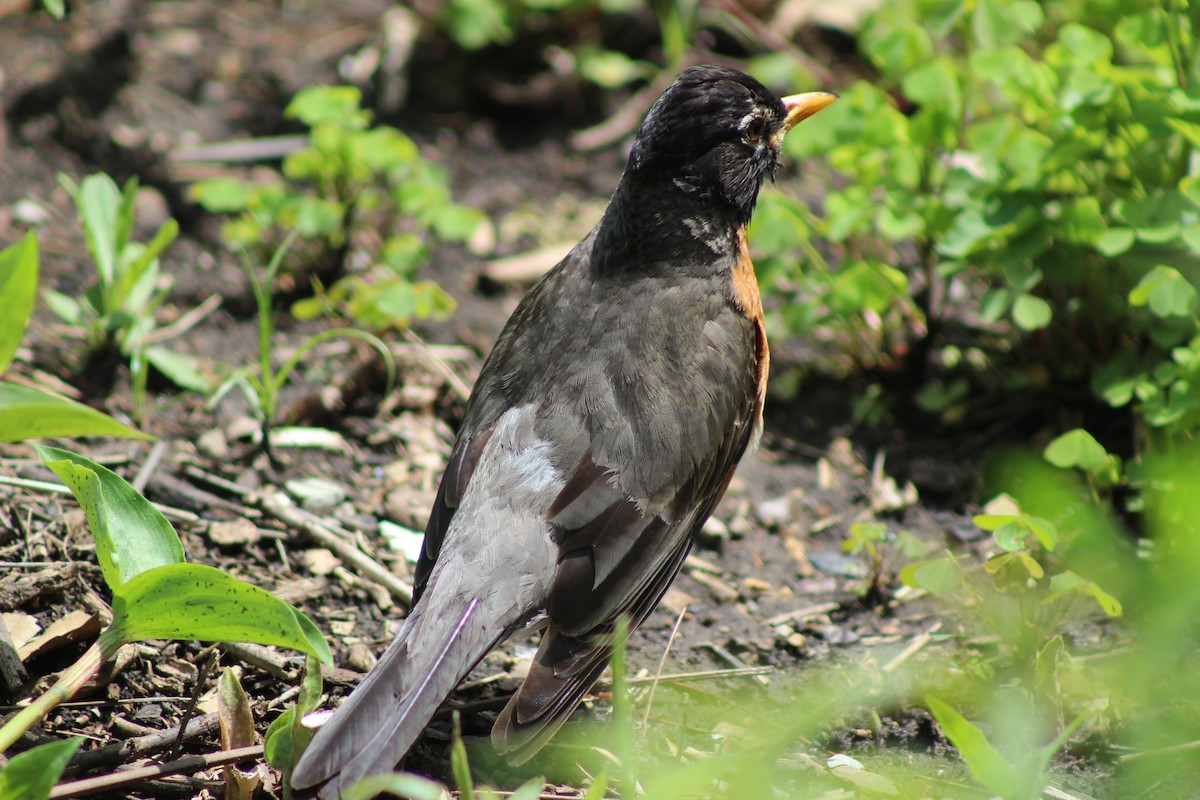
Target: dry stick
[[662, 663], [627, 118], [768, 36], [265, 659], [262, 148], [802, 613], [50, 486], [1174, 749], [917, 643], [729, 658], [434, 362], [209, 664], [186, 321], [187, 764], [279, 506], [143, 745], [152, 461]]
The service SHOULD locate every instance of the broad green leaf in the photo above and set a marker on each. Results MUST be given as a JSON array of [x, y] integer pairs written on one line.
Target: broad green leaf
[[1031, 565], [997, 23], [192, 601], [18, 292], [1076, 448], [316, 104], [1084, 46], [1045, 532], [382, 149], [27, 413], [32, 774], [224, 195], [1011, 536], [1114, 241], [900, 48], [990, 522], [64, 307], [182, 370], [936, 576], [132, 536], [98, 201], [1168, 293], [985, 762], [1071, 583], [1031, 312]]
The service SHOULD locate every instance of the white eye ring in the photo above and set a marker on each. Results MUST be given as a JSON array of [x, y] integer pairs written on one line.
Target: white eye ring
[[753, 126]]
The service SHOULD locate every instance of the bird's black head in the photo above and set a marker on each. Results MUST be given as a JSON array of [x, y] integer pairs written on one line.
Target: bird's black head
[[716, 132]]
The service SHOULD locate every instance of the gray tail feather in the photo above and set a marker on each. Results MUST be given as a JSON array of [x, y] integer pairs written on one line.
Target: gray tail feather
[[383, 717]]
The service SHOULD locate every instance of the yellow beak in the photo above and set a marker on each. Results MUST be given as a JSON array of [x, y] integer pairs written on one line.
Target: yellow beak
[[802, 106]]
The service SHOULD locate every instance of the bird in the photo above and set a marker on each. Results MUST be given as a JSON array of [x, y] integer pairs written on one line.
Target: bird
[[605, 425]]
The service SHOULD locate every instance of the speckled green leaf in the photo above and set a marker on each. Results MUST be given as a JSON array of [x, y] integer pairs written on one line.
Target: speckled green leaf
[[132, 536], [192, 601]]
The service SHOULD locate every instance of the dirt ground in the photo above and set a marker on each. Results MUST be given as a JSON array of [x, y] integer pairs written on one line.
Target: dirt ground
[[120, 87]]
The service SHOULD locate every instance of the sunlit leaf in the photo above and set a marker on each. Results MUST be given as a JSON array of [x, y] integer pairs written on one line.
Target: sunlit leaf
[[193, 601], [27, 413], [132, 536]]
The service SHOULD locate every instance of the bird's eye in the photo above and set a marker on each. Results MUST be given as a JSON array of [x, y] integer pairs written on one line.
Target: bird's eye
[[753, 129]]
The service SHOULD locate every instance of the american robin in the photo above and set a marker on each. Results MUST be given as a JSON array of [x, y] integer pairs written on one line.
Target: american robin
[[604, 428]]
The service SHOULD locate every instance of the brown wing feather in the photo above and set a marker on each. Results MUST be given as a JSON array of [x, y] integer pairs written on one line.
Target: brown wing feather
[[617, 555]]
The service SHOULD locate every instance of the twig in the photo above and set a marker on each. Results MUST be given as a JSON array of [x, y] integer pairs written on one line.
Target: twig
[[262, 148], [661, 663], [263, 658], [732, 660], [1186, 747], [436, 363], [278, 505], [187, 764], [50, 486], [331, 536], [627, 117], [186, 321], [189, 710], [917, 643], [140, 480], [143, 745], [802, 613], [767, 35]]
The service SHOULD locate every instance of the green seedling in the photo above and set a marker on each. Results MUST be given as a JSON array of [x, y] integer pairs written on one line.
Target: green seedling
[[874, 541], [126, 290], [26, 412], [1025, 780], [261, 383], [156, 594], [117, 311], [350, 176]]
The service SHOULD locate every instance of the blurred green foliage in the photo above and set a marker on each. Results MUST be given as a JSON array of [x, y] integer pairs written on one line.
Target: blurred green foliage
[[349, 176], [1020, 172]]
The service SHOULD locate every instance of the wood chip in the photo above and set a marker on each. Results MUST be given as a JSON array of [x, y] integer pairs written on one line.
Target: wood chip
[[76, 626]]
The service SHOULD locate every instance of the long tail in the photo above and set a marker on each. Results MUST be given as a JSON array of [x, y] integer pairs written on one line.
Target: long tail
[[383, 717]]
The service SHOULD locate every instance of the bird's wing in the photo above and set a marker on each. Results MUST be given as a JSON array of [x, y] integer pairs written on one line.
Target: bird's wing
[[626, 517]]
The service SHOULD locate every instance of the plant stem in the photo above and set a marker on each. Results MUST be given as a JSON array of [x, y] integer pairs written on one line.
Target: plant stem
[[67, 686]]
